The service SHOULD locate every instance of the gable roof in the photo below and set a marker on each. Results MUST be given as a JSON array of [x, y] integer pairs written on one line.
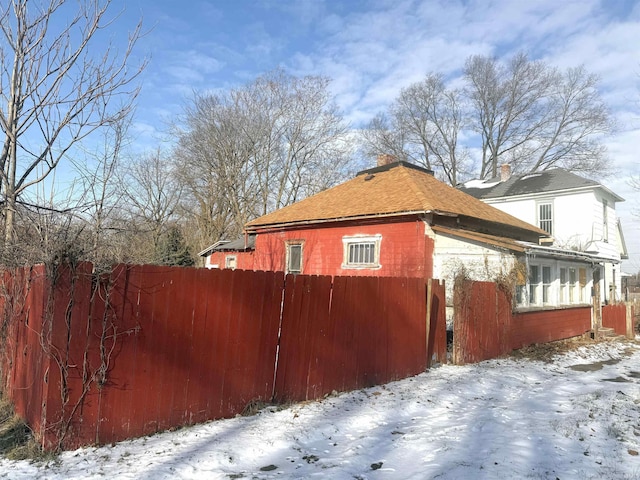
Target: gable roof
[[396, 189], [547, 181], [238, 245]]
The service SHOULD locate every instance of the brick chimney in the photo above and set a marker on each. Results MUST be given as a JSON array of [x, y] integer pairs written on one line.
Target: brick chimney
[[385, 159], [505, 172]]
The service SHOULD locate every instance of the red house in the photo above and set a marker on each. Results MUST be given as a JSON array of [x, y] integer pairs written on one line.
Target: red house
[[386, 221]]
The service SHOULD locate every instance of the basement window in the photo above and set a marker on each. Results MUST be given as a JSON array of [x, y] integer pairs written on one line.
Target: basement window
[[361, 251]]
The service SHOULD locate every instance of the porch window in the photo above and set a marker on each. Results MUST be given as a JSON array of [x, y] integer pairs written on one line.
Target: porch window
[[573, 287], [564, 286], [546, 284], [582, 280], [361, 251], [534, 284], [294, 257], [545, 217]]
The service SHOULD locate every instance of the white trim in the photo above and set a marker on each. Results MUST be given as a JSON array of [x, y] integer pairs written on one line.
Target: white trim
[[288, 245]]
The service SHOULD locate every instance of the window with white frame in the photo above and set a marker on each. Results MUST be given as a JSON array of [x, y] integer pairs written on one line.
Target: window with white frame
[[564, 286], [551, 284], [573, 286], [582, 284], [231, 262], [545, 217], [546, 285], [294, 257], [534, 284], [361, 251]]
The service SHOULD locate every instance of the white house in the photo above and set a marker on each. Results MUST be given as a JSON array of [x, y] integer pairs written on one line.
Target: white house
[[578, 213]]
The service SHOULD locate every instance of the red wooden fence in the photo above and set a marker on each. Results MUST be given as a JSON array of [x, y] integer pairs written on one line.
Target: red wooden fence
[[615, 316], [358, 334], [485, 327], [147, 348]]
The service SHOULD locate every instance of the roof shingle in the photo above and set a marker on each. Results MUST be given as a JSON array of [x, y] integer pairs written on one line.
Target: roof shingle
[[547, 181], [397, 189]]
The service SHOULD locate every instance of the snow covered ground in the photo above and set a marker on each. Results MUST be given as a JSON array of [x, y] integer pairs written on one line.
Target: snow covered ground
[[501, 419]]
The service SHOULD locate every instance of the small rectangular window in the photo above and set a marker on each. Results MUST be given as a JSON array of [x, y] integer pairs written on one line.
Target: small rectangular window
[[361, 251], [294, 258], [545, 217], [231, 262]]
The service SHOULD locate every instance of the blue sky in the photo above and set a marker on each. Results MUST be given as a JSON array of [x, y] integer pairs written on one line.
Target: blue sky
[[371, 49]]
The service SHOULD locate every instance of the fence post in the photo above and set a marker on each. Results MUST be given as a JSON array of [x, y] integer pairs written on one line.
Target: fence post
[[428, 322], [629, 317]]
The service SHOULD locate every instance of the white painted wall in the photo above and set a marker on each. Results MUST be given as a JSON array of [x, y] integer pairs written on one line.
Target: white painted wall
[[451, 256], [578, 224]]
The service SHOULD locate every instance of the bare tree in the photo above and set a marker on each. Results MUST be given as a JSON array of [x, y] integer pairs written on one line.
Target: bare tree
[[534, 117], [521, 112], [152, 195], [54, 90], [426, 120], [99, 196], [259, 147]]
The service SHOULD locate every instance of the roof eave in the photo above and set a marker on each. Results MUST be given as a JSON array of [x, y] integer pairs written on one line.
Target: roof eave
[[298, 223]]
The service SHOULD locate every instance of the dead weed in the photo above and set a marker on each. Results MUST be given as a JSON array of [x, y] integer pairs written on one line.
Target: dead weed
[[16, 439], [544, 352]]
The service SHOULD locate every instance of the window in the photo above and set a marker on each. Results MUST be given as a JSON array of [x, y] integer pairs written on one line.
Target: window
[[573, 297], [294, 258], [564, 287], [582, 279], [546, 284], [545, 217], [534, 281], [521, 283], [605, 221], [361, 251], [231, 261]]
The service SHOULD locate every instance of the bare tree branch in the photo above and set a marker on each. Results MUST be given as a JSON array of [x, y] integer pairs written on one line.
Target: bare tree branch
[[54, 91]]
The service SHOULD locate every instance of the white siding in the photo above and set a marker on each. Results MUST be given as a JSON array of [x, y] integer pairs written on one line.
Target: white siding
[[578, 224], [451, 256]]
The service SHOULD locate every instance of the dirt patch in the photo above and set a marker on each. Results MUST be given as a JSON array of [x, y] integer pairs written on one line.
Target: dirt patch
[[544, 352], [595, 366], [616, 380]]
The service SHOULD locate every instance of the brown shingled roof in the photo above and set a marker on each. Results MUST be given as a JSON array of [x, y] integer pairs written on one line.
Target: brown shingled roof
[[398, 189]]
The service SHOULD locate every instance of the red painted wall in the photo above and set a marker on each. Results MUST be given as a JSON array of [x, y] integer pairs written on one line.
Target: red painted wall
[[405, 250], [244, 260], [528, 328]]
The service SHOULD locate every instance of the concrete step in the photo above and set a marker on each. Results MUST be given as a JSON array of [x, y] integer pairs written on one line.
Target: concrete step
[[605, 333]]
